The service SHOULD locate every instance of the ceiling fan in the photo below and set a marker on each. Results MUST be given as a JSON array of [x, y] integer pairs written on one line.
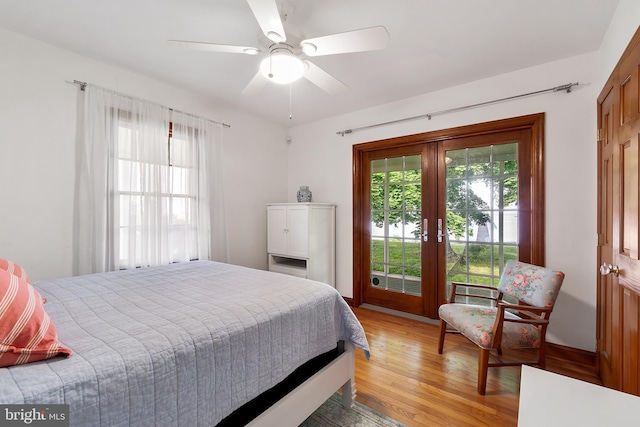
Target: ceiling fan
[[283, 63]]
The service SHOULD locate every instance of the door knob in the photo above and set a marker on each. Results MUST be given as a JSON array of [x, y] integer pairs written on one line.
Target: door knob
[[608, 269]]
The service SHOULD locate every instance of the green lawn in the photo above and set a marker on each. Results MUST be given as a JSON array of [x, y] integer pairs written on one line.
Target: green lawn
[[475, 261]]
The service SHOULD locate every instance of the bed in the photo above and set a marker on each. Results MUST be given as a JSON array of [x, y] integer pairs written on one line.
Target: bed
[[191, 344]]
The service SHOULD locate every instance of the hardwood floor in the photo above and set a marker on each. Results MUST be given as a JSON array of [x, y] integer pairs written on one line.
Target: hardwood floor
[[408, 380]]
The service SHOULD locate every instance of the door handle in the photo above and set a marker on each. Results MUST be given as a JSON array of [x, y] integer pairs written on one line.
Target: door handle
[[440, 231], [608, 269], [425, 230]]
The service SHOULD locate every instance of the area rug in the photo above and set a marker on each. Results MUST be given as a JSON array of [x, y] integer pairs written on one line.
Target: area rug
[[333, 414]]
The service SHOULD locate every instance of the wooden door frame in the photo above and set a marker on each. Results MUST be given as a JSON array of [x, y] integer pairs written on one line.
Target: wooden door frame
[[533, 122]]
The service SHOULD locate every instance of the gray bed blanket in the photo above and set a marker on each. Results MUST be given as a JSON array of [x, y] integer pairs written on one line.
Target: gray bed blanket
[[178, 345]]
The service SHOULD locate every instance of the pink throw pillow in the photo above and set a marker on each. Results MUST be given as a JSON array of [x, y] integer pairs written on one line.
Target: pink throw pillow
[[14, 268], [27, 333]]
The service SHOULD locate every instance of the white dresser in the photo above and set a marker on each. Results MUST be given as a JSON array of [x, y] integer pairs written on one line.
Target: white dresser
[[301, 240]]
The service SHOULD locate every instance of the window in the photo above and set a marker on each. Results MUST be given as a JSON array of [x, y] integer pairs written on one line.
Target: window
[[149, 187], [157, 197]]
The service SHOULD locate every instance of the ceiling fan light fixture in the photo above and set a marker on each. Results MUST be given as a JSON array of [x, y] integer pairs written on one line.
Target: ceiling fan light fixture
[[308, 48], [282, 67], [275, 37]]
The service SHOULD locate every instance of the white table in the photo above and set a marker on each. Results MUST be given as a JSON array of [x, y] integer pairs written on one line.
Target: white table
[[548, 399]]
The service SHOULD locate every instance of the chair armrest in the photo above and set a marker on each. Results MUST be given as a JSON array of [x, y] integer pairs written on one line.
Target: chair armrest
[[473, 285], [534, 316], [534, 313], [496, 295], [524, 307]]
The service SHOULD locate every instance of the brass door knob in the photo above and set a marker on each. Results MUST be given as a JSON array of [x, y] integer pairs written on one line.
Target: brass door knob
[[608, 269]]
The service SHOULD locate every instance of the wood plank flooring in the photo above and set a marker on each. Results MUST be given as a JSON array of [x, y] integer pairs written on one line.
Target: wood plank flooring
[[408, 380]]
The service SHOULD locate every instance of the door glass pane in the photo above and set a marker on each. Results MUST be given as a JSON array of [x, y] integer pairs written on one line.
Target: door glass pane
[[396, 213], [481, 213]]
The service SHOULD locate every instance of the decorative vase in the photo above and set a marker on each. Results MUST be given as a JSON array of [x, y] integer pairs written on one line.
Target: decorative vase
[[304, 194]]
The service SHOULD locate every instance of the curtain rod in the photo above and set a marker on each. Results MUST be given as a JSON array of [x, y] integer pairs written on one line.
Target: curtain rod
[[567, 87], [83, 86]]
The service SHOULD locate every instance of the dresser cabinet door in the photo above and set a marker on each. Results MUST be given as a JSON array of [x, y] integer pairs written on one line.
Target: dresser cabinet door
[[277, 230], [298, 231]]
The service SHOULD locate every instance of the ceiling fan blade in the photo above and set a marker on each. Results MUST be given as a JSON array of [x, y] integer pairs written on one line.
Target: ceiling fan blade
[[322, 79], [268, 17], [257, 82], [213, 47], [373, 38]]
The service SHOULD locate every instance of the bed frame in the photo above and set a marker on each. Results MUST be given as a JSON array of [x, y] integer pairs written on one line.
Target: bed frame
[[301, 402]]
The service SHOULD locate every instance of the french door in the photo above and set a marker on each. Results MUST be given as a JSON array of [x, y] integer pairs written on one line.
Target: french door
[[429, 209], [400, 251]]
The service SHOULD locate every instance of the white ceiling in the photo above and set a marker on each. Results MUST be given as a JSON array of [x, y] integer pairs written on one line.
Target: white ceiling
[[434, 44]]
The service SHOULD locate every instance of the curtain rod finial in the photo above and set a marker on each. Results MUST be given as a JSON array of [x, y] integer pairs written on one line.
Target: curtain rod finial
[[83, 85]]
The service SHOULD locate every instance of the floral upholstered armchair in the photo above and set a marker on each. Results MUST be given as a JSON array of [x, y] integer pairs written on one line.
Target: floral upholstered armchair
[[500, 325]]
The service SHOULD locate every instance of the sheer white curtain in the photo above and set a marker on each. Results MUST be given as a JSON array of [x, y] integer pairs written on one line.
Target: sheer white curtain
[[148, 178]]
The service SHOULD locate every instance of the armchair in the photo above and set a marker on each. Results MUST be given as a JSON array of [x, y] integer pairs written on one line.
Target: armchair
[[500, 325]]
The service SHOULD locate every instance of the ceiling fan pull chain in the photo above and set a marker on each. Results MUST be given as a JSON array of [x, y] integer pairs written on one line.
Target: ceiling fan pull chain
[[270, 66], [290, 90]]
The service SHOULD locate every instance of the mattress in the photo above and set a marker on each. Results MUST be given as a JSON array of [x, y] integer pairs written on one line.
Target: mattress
[[178, 345]]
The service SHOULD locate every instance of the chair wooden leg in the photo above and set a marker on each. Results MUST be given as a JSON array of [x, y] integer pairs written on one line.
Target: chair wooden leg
[[542, 353], [443, 332], [483, 366]]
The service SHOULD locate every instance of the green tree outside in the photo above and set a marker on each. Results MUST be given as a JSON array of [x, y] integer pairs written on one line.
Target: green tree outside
[[464, 209]]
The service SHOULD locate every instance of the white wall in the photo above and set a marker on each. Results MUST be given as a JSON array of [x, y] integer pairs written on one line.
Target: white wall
[[623, 26], [38, 107], [570, 189]]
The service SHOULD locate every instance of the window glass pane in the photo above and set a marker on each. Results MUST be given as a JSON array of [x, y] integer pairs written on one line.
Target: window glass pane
[[124, 243], [479, 161], [129, 176], [457, 225], [179, 180], [124, 142], [377, 198], [479, 259], [412, 175], [411, 281], [394, 201], [377, 250], [395, 176], [411, 197], [180, 155], [412, 257], [457, 194], [456, 164], [125, 211], [505, 192], [180, 211]]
